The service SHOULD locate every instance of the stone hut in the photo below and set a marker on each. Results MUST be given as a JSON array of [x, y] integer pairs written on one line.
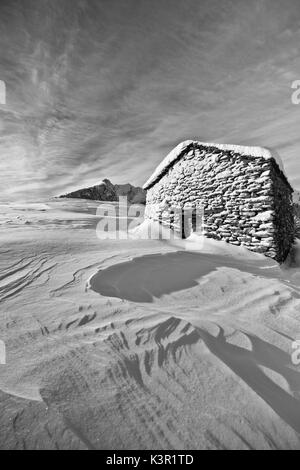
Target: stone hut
[[245, 195]]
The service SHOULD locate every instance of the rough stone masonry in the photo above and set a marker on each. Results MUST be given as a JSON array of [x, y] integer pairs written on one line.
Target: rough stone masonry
[[245, 195]]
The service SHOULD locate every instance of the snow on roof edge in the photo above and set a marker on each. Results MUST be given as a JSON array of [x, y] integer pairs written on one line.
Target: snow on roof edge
[[178, 151]]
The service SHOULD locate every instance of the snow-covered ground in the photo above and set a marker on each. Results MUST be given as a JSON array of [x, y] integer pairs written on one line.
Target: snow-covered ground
[[139, 344]]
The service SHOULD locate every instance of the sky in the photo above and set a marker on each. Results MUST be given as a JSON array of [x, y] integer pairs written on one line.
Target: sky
[[106, 88]]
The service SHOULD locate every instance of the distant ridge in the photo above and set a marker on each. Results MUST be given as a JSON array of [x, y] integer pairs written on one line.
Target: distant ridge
[[107, 191]]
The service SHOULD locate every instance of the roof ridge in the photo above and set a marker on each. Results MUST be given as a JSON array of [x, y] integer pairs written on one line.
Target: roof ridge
[[180, 149]]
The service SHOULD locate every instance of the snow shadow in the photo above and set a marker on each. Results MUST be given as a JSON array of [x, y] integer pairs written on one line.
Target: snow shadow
[[151, 276], [247, 365]]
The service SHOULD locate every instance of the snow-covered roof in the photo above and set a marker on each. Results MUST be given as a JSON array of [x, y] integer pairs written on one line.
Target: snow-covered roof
[[183, 147]]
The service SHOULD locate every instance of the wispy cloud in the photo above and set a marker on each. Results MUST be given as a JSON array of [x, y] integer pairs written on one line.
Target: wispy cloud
[[105, 88]]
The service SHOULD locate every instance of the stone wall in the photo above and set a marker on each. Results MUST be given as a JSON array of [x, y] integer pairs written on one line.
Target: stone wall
[[296, 208], [246, 200], [284, 222]]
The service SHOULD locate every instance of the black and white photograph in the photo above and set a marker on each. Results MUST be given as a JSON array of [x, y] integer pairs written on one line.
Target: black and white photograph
[[149, 227]]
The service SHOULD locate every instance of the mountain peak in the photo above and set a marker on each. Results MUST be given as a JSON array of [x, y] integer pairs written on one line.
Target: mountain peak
[[105, 181], [105, 190]]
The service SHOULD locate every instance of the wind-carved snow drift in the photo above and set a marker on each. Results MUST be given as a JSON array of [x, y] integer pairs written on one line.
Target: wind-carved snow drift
[[244, 192]]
